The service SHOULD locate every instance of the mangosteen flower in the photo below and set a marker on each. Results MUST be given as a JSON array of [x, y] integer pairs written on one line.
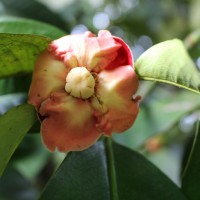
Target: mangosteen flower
[[82, 87]]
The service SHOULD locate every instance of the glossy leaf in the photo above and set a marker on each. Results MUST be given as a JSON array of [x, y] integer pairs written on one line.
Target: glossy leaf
[[14, 124], [16, 25], [191, 175], [109, 171], [170, 63], [18, 53]]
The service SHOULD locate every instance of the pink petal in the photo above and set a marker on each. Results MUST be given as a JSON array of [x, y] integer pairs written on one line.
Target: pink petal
[[122, 120], [69, 124], [94, 53], [116, 88], [123, 54], [49, 76]]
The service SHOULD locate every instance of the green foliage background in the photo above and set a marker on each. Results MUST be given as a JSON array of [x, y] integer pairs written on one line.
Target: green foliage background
[[168, 114]]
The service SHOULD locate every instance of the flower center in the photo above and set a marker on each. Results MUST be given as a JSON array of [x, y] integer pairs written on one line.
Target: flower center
[[80, 83]]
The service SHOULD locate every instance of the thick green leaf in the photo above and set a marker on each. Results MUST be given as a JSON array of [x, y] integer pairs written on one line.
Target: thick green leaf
[[170, 63], [109, 171], [18, 53], [82, 175], [191, 175], [13, 126], [16, 25]]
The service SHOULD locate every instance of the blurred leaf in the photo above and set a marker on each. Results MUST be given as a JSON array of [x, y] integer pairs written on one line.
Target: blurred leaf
[[192, 42], [10, 100], [13, 126], [19, 52], [30, 158], [191, 175], [175, 104], [13, 186], [34, 10], [170, 63], [16, 25], [15, 84], [193, 39], [109, 171]]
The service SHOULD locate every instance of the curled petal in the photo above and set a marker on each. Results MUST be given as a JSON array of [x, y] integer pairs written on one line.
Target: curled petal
[[124, 55], [69, 124], [49, 75], [113, 52], [94, 53], [116, 88]]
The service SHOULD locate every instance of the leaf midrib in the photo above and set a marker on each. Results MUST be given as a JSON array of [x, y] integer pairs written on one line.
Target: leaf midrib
[[168, 82]]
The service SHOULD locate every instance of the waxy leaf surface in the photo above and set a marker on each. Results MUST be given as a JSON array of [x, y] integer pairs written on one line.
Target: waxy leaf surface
[[109, 171]]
